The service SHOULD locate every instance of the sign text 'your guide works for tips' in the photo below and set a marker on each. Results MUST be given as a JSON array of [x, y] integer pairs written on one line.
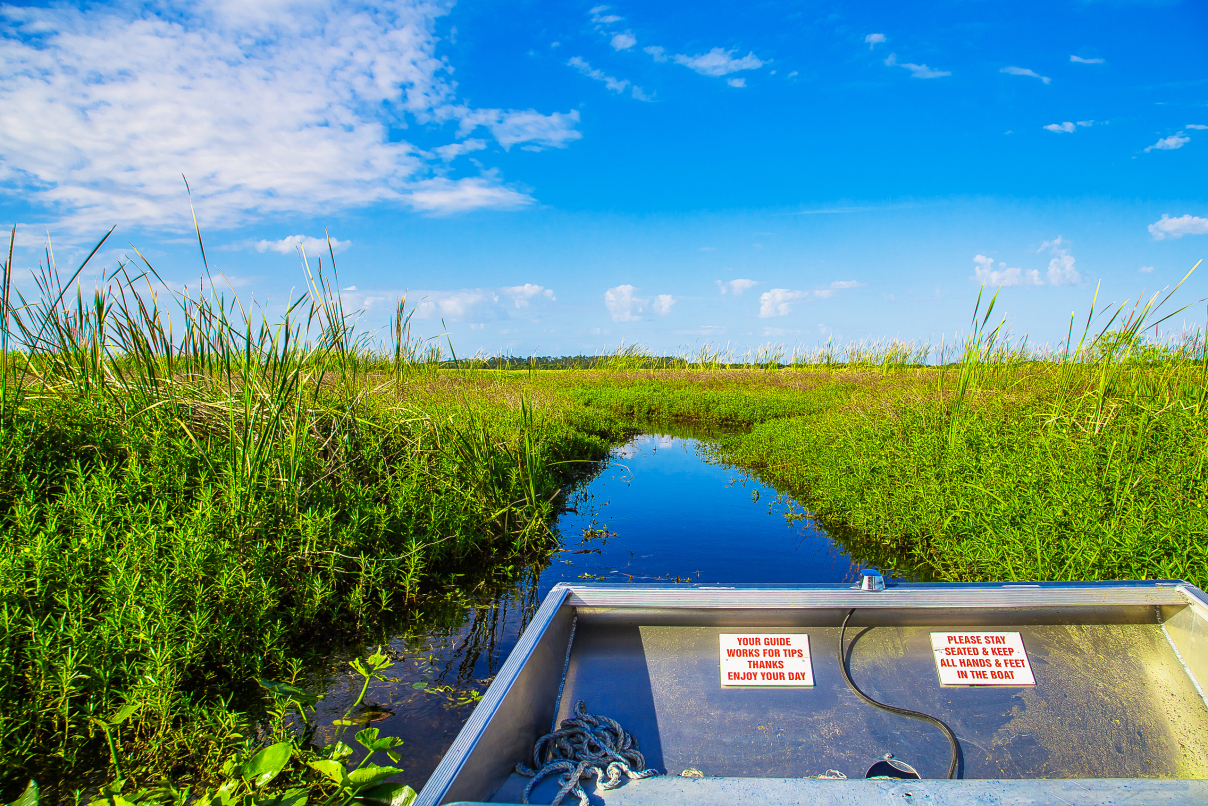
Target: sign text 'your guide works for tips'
[[981, 659], [766, 659]]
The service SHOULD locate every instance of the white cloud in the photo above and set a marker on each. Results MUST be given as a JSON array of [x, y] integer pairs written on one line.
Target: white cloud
[[477, 305], [1086, 123], [600, 18], [1169, 143], [614, 84], [736, 287], [1061, 268], [1146, 269], [456, 305], [1062, 271], [736, 82], [657, 53], [312, 246], [1169, 227], [916, 70], [778, 302], [441, 195], [1080, 60], [523, 295], [623, 305], [874, 39], [528, 127], [1023, 71], [719, 62], [623, 41], [1067, 127], [1195, 126], [840, 284], [267, 108], [662, 304], [985, 274], [454, 150]]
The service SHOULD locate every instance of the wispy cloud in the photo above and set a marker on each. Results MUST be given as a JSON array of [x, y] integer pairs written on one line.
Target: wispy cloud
[[779, 301], [1169, 143], [1168, 227], [1200, 126], [623, 41], [874, 39], [985, 274], [916, 70], [441, 196], [529, 129], [657, 53], [522, 296], [454, 150], [1146, 270], [1061, 267], [289, 245], [736, 287], [826, 292], [1023, 71], [600, 16], [614, 84], [474, 305], [1080, 60], [736, 82], [1068, 126], [105, 107], [719, 62]]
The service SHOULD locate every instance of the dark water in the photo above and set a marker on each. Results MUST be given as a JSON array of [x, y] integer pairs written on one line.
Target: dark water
[[660, 510]]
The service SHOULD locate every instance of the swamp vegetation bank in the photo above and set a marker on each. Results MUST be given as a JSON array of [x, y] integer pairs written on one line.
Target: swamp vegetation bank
[[189, 511]]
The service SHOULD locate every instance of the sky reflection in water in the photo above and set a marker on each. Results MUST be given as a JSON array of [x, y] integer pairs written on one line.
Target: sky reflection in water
[[660, 510]]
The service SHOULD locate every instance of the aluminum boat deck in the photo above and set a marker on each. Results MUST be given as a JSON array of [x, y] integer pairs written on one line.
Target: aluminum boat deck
[[1116, 714]]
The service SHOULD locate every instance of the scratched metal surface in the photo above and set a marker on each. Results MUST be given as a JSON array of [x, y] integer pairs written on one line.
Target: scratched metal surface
[[674, 791], [1111, 701]]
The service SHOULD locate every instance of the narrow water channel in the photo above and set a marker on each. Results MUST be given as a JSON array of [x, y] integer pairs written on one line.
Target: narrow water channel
[[661, 509]]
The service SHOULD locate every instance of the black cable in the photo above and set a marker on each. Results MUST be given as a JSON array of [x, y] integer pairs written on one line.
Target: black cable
[[893, 709]]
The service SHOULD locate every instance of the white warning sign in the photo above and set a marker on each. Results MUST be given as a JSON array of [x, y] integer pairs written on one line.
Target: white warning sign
[[766, 659], [981, 659]]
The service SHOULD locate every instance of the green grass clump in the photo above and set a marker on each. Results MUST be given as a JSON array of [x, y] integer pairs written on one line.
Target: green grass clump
[[1004, 465], [1002, 492]]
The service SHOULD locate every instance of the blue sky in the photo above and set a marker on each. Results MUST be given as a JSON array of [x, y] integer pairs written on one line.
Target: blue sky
[[558, 177]]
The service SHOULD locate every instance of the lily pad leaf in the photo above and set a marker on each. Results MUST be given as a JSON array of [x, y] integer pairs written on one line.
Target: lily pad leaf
[[371, 774], [264, 766]]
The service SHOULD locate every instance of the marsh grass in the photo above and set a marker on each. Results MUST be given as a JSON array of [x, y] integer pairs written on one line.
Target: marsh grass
[[1013, 463], [193, 494]]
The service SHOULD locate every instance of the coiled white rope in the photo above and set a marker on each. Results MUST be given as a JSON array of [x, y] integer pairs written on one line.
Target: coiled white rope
[[585, 745]]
